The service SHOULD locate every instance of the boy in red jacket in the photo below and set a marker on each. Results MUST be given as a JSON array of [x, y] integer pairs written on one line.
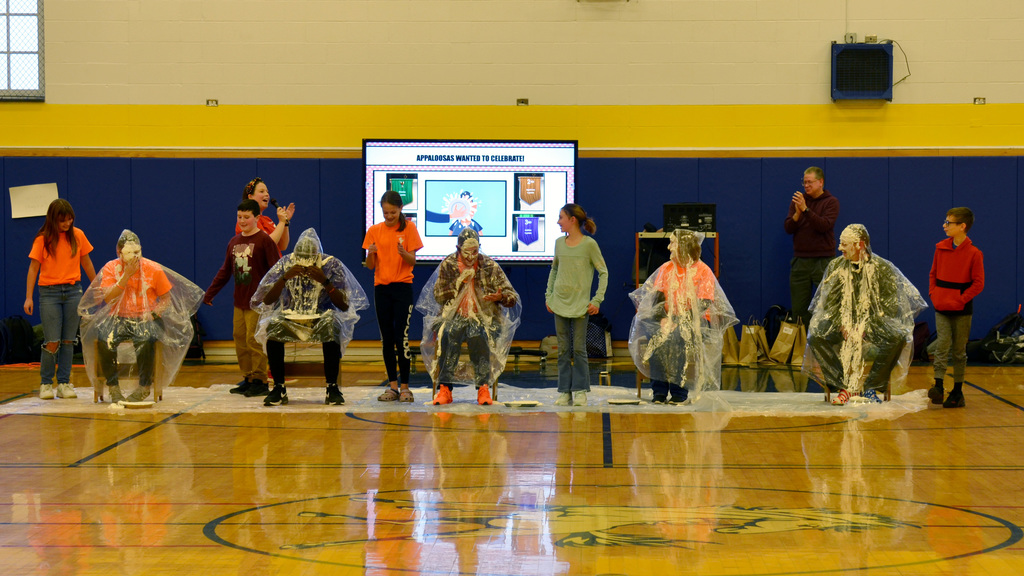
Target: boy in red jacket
[[957, 276]]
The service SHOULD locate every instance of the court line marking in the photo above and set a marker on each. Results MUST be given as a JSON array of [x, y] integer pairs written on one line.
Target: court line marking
[[1016, 534], [154, 426], [994, 395], [606, 434]]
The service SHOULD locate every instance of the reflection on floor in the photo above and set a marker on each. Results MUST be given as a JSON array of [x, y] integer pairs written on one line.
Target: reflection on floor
[[212, 483]]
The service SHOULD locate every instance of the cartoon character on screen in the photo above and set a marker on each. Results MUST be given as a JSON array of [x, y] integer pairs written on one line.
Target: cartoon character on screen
[[863, 313], [135, 301], [461, 209], [467, 299], [681, 315], [308, 296]]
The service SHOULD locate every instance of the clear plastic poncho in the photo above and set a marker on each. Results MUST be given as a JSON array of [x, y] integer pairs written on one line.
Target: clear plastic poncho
[[681, 316], [144, 331], [862, 323], [455, 312], [304, 311]]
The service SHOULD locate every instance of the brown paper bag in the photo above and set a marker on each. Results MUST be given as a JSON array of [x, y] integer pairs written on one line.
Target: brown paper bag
[[753, 343], [799, 344], [783, 346], [730, 347]]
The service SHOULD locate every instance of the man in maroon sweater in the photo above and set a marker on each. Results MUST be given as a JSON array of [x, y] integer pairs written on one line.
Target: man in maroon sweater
[[812, 222], [957, 276]]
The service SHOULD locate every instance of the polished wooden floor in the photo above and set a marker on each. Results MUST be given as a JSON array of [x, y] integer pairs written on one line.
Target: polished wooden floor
[[344, 492]]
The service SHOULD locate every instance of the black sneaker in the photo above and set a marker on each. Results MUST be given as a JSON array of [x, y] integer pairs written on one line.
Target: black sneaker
[[681, 398], [279, 395], [256, 388], [935, 393], [240, 388], [954, 400], [660, 399], [334, 395]]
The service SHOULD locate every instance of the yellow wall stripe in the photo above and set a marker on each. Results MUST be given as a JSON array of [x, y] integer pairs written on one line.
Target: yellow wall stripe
[[845, 125]]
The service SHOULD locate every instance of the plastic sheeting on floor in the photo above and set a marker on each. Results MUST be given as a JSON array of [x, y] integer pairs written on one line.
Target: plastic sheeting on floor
[[363, 399]]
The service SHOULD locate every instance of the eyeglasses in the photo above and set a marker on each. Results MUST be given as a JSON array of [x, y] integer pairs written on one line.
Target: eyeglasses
[[948, 223]]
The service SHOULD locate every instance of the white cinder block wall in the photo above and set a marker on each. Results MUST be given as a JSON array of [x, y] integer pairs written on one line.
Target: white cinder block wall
[[490, 52]]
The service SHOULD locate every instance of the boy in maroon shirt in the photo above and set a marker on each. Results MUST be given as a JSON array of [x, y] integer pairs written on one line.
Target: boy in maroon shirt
[[250, 254], [957, 276]]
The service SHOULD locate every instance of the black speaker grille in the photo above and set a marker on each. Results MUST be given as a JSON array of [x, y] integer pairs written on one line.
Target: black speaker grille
[[862, 70]]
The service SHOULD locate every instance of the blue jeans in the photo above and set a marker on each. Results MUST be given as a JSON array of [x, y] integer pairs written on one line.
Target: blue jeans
[[573, 366], [58, 309]]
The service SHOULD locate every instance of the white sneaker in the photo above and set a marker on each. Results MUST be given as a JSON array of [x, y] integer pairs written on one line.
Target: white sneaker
[[46, 391], [66, 390], [564, 399], [579, 398]]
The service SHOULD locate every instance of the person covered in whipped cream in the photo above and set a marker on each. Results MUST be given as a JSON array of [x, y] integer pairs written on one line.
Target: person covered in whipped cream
[[307, 296], [138, 301], [860, 337], [467, 299], [681, 316]]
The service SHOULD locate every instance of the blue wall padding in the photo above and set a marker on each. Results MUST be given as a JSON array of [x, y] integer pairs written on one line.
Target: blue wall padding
[[606, 188], [734, 185], [780, 178], [5, 217], [1012, 275], [107, 184], [184, 210], [18, 234], [987, 186]]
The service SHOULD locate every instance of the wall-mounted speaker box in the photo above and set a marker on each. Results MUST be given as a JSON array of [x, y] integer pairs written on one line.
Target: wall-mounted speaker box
[[861, 72]]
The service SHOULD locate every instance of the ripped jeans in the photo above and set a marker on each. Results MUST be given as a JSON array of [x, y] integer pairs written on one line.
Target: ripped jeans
[[58, 310]]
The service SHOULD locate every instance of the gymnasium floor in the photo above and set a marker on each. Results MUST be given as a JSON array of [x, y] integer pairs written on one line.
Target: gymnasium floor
[[762, 479]]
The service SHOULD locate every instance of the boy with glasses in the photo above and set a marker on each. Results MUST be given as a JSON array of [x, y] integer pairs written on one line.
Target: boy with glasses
[[957, 276]]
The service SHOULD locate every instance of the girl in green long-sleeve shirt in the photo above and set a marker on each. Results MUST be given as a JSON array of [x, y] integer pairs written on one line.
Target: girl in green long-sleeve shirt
[[577, 257]]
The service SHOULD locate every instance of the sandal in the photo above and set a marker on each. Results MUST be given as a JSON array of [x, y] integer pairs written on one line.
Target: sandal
[[405, 396], [841, 399], [389, 395]]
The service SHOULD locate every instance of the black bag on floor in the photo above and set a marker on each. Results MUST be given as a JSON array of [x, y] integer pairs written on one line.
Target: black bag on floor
[[599, 337], [195, 347], [18, 343], [922, 337], [773, 319], [1003, 343]]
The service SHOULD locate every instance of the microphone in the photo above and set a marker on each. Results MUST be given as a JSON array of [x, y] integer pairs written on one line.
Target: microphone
[[273, 202]]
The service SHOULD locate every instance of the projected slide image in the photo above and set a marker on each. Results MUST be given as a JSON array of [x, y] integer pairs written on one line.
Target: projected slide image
[[452, 205], [528, 233], [529, 191], [406, 185]]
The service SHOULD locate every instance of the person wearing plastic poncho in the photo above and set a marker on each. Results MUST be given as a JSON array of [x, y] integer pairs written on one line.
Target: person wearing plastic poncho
[[308, 296], [460, 303], [863, 312], [681, 316], [134, 299]]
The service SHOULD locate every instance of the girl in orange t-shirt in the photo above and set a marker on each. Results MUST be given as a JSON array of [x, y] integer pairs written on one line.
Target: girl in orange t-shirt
[[391, 248], [257, 190], [59, 254]]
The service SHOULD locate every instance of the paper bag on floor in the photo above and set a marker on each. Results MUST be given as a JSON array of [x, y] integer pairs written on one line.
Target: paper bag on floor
[[753, 343]]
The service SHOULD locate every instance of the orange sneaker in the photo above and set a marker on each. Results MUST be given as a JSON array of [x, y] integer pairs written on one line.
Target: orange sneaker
[[841, 399], [483, 396], [444, 395]]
